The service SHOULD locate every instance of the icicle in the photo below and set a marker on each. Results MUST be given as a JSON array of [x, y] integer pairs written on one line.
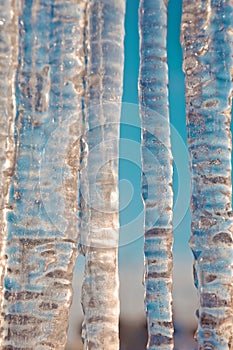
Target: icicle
[[207, 28], [41, 248], [8, 61], [100, 300], [157, 172]]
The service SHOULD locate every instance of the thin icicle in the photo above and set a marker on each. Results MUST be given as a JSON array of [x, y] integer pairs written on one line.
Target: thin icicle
[[207, 28], [8, 62], [40, 256], [157, 172], [100, 299]]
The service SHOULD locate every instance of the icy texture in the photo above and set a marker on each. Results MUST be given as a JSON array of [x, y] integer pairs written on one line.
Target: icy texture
[[40, 256], [8, 59], [99, 179], [157, 173], [207, 29]]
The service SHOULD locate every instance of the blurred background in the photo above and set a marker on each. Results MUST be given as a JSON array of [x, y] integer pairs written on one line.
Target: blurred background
[[132, 320]]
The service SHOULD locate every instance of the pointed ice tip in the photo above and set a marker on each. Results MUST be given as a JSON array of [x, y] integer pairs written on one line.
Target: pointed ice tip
[[196, 254]]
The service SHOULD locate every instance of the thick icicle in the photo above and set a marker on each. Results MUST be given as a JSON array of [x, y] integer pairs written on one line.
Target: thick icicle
[[207, 39], [105, 46], [157, 172], [40, 256]]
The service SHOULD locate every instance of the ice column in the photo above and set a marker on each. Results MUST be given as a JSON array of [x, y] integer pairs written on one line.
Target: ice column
[[207, 30], [99, 179], [157, 172], [8, 62], [42, 235]]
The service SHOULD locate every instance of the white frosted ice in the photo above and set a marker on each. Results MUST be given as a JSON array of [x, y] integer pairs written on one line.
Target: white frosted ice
[[99, 179]]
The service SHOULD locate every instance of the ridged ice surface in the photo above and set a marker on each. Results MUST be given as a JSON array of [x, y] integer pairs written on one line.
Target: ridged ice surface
[[207, 33], [8, 60], [99, 179], [41, 251], [157, 172]]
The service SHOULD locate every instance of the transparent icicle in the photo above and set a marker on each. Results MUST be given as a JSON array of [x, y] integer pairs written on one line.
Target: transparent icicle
[[207, 39], [40, 252], [99, 179], [8, 61], [157, 172]]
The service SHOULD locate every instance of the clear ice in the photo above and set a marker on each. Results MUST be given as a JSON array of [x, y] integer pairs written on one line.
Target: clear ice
[[207, 39], [157, 172], [99, 178], [8, 62], [42, 68], [61, 77]]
